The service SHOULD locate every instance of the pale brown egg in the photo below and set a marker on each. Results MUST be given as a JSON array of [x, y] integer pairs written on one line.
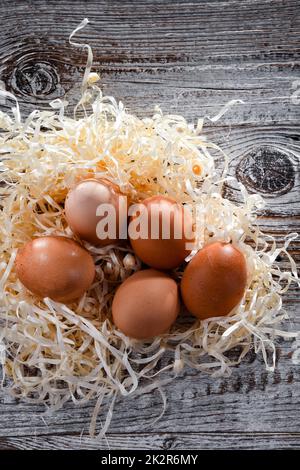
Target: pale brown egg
[[81, 207], [168, 232], [146, 304], [55, 267], [214, 281]]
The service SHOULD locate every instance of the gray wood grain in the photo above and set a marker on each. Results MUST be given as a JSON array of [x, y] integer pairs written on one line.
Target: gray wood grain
[[251, 400], [152, 441], [190, 58]]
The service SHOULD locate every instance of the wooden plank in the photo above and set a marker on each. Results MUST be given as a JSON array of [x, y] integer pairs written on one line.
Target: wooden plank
[[195, 55], [164, 441]]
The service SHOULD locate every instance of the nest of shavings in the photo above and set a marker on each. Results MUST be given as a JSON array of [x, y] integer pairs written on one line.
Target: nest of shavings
[[51, 352]]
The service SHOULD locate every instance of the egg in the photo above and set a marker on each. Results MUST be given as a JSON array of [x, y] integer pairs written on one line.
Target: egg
[[168, 232], [146, 304], [81, 207], [214, 281], [55, 267]]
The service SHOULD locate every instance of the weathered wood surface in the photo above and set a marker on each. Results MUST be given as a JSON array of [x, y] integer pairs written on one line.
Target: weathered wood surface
[[164, 441], [190, 58]]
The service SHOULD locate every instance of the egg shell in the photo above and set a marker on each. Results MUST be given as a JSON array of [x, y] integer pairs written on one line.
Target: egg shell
[[81, 205], [55, 267], [214, 281], [146, 304], [164, 253]]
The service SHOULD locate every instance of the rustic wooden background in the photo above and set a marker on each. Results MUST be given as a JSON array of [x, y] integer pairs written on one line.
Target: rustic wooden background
[[190, 57]]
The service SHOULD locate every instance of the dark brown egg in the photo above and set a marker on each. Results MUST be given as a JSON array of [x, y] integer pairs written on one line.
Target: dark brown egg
[[146, 304], [55, 267], [214, 281], [167, 236], [81, 207]]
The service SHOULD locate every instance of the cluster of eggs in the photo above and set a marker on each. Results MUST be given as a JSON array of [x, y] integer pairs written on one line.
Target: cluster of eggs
[[147, 303]]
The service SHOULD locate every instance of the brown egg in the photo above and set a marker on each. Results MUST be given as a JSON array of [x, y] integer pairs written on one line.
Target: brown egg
[[146, 304], [81, 206], [159, 249], [214, 281], [55, 267]]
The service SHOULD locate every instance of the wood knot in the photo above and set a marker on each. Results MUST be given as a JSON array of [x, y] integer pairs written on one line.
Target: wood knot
[[169, 443], [266, 170], [40, 71]]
